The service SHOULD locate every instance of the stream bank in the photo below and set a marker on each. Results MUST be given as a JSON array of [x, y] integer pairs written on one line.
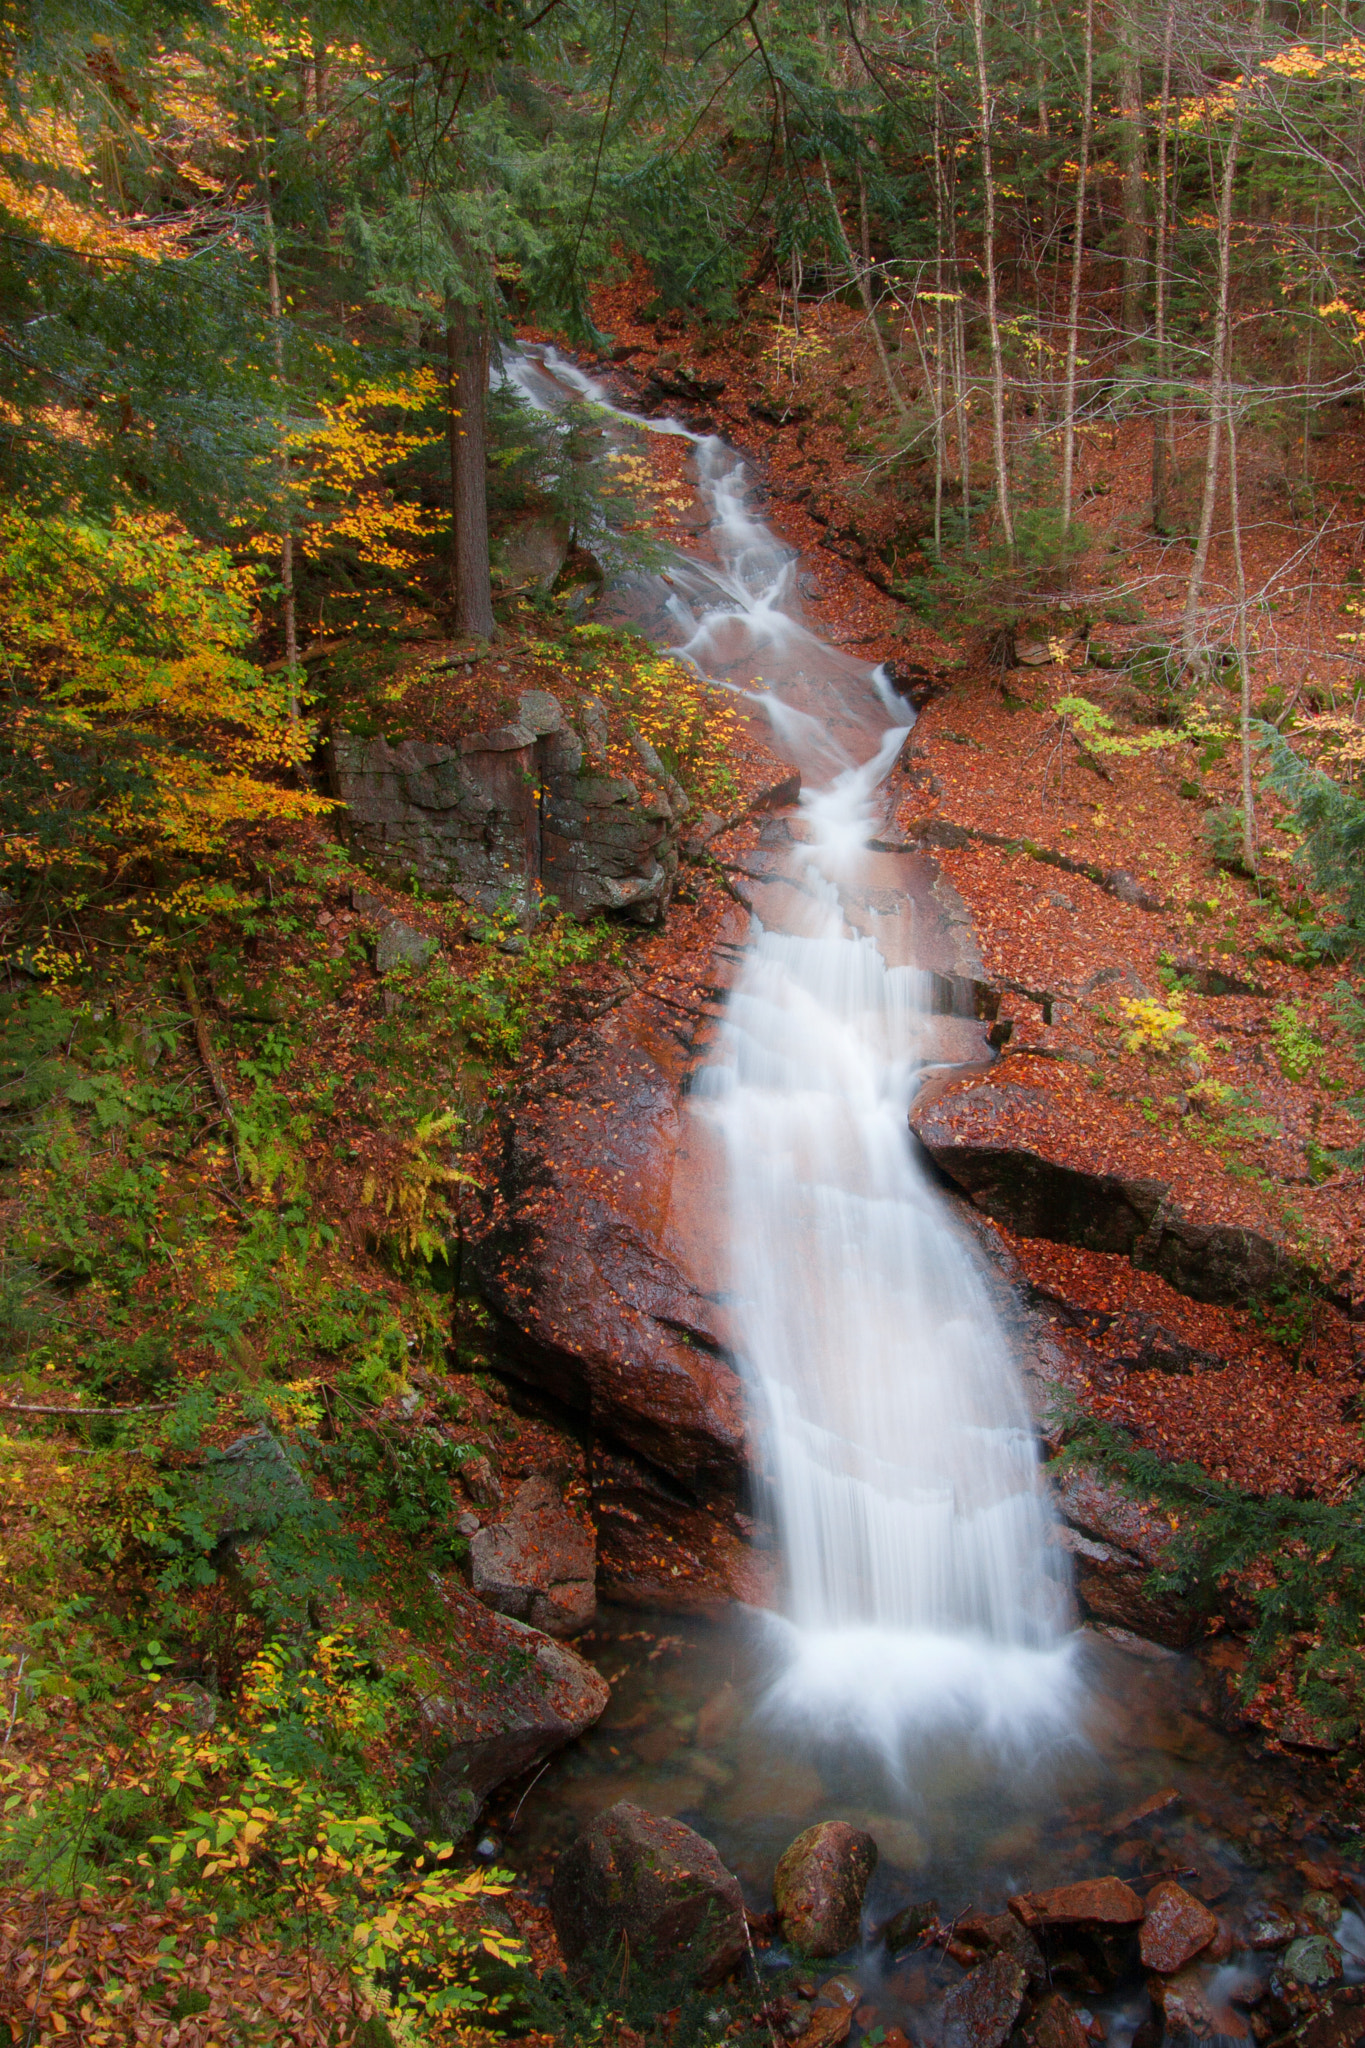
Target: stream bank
[[601, 1265]]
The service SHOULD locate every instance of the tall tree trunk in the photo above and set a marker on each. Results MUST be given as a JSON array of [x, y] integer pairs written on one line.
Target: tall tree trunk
[[1073, 317], [859, 274], [287, 596], [940, 338], [471, 590], [1132, 157], [1002, 480], [1039, 67], [1243, 647], [1162, 416], [1218, 365], [959, 344]]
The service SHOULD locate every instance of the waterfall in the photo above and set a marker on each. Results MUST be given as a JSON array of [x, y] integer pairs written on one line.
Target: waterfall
[[923, 1586]]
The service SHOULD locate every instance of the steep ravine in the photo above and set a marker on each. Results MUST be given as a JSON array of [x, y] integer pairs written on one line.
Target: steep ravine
[[603, 1267]]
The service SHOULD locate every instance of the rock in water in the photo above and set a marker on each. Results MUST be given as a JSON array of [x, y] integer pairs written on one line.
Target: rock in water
[[1190, 2015], [981, 2012], [1002, 1934], [1176, 1930], [1312, 1962], [1100, 1902], [1268, 1926], [819, 1885], [637, 1878], [528, 1696], [1057, 2024], [537, 1562]]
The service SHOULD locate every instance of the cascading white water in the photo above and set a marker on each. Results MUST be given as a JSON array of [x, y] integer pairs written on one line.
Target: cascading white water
[[923, 1585]]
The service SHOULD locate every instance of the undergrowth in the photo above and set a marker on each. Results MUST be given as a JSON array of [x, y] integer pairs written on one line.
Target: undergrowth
[[1293, 1570]]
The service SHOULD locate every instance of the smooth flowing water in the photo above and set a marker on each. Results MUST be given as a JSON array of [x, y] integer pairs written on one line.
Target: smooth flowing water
[[922, 1678], [922, 1583]]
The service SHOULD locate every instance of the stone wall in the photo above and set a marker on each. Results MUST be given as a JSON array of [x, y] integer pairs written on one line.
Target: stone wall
[[517, 813]]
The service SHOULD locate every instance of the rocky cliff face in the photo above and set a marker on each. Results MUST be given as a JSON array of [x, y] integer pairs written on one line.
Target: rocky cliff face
[[516, 813]]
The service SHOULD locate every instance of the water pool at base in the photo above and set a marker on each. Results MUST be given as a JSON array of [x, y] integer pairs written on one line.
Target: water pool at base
[[1147, 1785]]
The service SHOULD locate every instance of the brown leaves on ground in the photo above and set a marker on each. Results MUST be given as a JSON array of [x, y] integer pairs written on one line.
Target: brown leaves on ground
[[113, 1969]]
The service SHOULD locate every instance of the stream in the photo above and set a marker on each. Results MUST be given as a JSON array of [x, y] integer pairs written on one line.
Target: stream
[[923, 1676]]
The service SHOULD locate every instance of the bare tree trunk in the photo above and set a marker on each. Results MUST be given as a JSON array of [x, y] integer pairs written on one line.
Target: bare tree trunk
[[1218, 366], [287, 597], [467, 380], [1039, 68], [1243, 649], [1132, 153], [1077, 265], [1162, 421], [864, 284], [1002, 481], [940, 420], [964, 440], [964, 452]]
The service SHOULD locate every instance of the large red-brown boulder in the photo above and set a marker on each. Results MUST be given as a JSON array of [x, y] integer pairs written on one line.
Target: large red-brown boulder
[[981, 2012], [1057, 2024], [519, 1697], [1097, 1902], [636, 1881], [591, 1262], [1177, 1928], [819, 1884], [1190, 2012], [537, 1561]]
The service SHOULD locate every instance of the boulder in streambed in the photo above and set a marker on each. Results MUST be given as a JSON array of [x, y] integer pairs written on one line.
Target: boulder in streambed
[[536, 1562], [1056, 2024], [650, 1884], [1192, 2013], [522, 1697], [819, 1884], [981, 2011], [1177, 1928], [1102, 1903], [1312, 1963], [992, 1934], [1268, 1925]]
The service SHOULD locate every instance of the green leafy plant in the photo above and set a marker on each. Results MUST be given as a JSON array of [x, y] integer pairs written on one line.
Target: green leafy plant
[[1298, 1050], [1329, 819], [1296, 1567]]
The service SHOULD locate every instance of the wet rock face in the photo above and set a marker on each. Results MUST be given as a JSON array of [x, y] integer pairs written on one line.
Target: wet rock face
[[536, 1562], [532, 1696], [596, 1308], [1268, 1927], [992, 1934], [981, 2012], [635, 1878], [1311, 1963], [502, 812], [819, 1885], [1114, 1545]]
